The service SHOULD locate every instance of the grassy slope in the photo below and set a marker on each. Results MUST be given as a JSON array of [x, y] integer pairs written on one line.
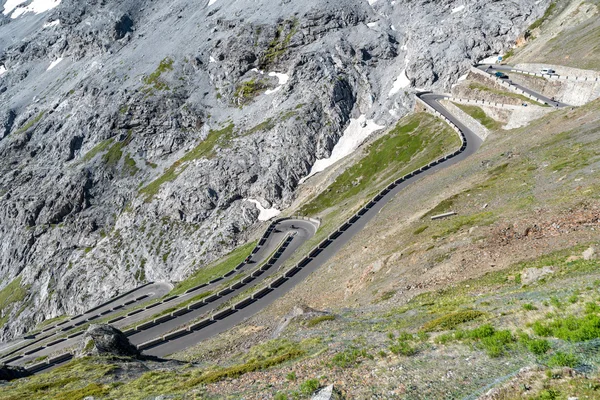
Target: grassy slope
[[572, 44], [11, 294], [480, 116], [215, 270]]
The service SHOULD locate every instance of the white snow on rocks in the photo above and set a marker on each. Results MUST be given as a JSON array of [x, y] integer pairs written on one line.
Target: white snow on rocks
[[354, 135], [36, 6], [283, 79], [401, 82], [265, 214], [212, 59], [56, 22], [2, 70], [54, 63], [211, 2], [458, 9]]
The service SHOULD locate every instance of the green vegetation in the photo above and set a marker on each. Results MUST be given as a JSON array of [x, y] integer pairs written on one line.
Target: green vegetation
[[220, 137], [213, 271], [388, 157], [309, 386], [280, 43], [99, 148], [247, 90], [84, 377], [480, 115], [529, 307], [30, 123], [154, 79], [570, 328], [69, 382], [401, 347], [11, 294], [452, 320], [563, 360], [50, 321], [544, 17], [129, 165], [505, 93], [349, 357], [317, 320], [495, 342]]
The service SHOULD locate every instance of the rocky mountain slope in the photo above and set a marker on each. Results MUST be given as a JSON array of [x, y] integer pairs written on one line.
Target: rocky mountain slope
[[132, 132]]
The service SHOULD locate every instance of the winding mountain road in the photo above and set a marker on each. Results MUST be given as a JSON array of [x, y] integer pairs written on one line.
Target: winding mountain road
[[173, 332], [491, 69]]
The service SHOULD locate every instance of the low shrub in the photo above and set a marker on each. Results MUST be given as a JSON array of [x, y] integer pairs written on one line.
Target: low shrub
[[452, 320]]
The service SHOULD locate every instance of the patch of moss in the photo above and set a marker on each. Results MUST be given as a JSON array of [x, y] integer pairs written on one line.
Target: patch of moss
[[30, 123], [279, 44], [100, 147], [317, 320], [154, 79], [205, 148], [11, 294]]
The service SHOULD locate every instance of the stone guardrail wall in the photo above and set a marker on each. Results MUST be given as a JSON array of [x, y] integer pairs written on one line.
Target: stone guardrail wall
[[502, 82], [264, 291], [557, 77], [480, 102]]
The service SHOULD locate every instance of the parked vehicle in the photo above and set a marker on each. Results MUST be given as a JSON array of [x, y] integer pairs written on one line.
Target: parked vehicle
[[501, 75], [548, 71]]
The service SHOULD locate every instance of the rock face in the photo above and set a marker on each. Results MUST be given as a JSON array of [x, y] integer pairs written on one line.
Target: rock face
[[131, 131], [106, 340]]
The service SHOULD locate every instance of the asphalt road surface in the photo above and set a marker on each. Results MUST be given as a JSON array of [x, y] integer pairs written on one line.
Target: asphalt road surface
[[491, 69], [302, 231]]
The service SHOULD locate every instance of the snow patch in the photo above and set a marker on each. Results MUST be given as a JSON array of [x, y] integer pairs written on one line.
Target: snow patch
[[372, 24], [458, 9], [491, 60], [212, 59], [2, 70], [404, 47], [271, 91], [393, 27], [36, 7], [371, 2], [56, 22], [354, 135], [265, 214], [258, 71], [283, 79], [401, 82], [211, 2], [54, 63]]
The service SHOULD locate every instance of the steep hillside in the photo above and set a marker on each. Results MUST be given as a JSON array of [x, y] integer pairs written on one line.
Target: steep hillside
[[134, 133]]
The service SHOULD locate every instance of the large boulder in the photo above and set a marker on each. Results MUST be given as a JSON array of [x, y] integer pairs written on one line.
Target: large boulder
[[8, 373], [106, 340]]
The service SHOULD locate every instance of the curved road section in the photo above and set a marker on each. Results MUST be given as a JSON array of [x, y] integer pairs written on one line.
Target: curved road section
[[179, 330], [491, 70]]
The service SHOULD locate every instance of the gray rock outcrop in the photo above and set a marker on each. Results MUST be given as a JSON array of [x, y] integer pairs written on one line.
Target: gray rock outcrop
[[106, 340], [129, 159]]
